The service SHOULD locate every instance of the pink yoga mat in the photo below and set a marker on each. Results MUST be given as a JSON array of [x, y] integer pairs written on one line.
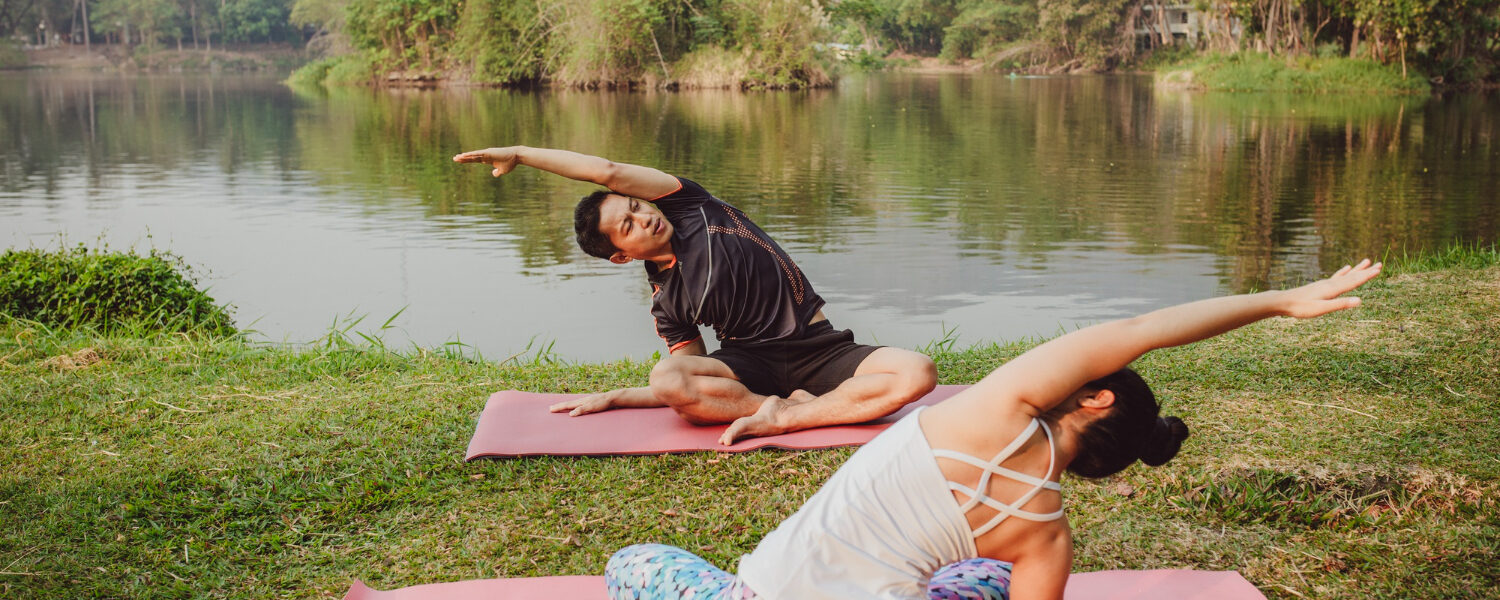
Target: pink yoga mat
[[517, 423], [1100, 585]]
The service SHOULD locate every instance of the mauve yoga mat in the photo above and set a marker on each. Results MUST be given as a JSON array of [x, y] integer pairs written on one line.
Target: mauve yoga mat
[[1100, 585], [517, 423]]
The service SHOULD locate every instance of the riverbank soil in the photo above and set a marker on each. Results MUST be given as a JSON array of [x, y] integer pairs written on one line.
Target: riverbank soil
[[932, 64], [100, 56], [252, 57]]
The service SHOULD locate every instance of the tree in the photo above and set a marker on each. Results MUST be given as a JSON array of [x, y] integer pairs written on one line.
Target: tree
[[255, 20]]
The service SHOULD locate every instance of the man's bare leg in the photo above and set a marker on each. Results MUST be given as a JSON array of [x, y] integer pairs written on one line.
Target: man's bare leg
[[888, 379], [702, 390]]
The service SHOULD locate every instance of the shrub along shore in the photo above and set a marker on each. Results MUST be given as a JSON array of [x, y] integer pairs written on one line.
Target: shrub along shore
[[1348, 456]]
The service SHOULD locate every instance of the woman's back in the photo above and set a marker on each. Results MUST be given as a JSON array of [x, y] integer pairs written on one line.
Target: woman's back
[[1032, 461]]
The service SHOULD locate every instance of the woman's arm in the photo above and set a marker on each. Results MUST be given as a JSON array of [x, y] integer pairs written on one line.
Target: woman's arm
[[1043, 573], [1044, 376], [635, 181]]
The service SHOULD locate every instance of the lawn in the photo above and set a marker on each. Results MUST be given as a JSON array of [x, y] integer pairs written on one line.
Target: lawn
[[1353, 456]]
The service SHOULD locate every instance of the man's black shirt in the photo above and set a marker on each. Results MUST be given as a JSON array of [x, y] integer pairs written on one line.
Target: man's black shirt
[[729, 275]]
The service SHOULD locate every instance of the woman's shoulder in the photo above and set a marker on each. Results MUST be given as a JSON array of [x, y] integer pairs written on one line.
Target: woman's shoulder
[[969, 423]]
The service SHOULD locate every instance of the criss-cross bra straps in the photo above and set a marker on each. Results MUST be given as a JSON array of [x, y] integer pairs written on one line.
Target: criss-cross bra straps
[[993, 468]]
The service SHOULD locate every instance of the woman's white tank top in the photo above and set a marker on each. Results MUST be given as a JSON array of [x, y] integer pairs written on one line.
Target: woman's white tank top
[[878, 528]]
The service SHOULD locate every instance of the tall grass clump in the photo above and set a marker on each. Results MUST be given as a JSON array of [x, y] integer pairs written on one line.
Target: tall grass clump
[[79, 287], [1465, 256], [1250, 71]]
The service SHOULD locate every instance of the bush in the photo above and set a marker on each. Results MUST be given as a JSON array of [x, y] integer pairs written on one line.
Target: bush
[[711, 67], [350, 70], [312, 73], [110, 290], [338, 70]]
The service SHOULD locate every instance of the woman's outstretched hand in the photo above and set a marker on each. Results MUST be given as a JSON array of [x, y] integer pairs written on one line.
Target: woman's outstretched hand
[[502, 159], [1326, 296]]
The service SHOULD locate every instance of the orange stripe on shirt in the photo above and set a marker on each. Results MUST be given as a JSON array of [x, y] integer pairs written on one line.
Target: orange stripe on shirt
[[679, 188], [675, 347]]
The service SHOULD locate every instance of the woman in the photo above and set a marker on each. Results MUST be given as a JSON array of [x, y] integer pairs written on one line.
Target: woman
[[920, 513]]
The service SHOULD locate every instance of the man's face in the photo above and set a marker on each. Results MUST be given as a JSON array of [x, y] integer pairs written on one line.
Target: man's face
[[636, 227]]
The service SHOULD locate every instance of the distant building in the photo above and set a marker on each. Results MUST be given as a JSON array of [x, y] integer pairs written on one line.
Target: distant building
[[1185, 23]]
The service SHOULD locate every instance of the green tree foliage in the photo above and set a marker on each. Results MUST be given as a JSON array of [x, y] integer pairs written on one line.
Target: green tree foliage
[[502, 42], [1086, 33], [591, 43], [778, 39], [326, 15], [982, 25], [915, 26], [256, 20], [404, 34], [145, 21], [1456, 41]]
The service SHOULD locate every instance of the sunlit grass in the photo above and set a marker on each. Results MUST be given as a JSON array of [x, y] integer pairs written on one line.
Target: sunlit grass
[[1350, 456], [1253, 71]]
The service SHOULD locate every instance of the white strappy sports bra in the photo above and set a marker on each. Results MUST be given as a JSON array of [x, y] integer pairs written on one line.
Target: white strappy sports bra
[[993, 468], [884, 522]]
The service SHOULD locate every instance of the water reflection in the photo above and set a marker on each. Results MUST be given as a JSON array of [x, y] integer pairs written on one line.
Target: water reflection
[[916, 204]]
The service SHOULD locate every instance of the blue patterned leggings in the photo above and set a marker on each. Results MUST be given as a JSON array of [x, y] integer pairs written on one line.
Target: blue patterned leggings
[[659, 572]]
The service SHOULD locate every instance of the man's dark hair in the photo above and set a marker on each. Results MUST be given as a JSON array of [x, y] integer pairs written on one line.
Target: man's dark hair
[[586, 226], [1130, 431]]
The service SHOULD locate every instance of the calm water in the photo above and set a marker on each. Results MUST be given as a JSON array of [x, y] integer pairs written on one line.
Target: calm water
[[920, 206]]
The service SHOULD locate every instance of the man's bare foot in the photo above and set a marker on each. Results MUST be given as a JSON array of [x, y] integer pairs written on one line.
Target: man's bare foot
[[800, 396], [764, 422]]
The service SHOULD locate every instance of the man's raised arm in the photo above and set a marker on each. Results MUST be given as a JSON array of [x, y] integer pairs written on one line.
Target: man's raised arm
[[635, 181]]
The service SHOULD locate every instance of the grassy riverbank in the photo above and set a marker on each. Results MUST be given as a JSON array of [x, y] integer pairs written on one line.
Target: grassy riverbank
[[1349, 456], [1255, 72]]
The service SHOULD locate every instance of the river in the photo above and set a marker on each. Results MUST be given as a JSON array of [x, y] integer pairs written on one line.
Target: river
[[943, 210]]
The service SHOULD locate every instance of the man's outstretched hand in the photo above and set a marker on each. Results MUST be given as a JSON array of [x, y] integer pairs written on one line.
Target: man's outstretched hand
[[640, 397], [502, 159], [588, 404]]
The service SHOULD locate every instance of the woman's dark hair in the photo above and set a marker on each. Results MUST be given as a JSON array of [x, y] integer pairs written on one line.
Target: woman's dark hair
[[586, 226], [1130, 431]]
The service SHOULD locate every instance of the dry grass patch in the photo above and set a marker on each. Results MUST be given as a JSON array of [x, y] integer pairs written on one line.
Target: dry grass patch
[[81, 359]]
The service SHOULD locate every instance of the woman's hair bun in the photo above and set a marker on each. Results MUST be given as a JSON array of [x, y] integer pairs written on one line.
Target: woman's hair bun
[[1164, 442]]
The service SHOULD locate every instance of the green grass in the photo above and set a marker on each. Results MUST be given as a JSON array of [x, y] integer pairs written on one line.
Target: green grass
[[11, 55], [79, 286], [1459, 255], [1253, 71], [1353, 456]]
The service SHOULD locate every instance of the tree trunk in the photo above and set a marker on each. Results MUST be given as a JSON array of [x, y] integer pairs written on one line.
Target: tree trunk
[[1403, 57], [1272, 40], [87, 48], [1161, 22]]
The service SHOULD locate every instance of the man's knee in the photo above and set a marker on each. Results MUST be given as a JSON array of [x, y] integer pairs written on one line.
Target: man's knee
[[676, 384], [669, 381], [916, 374]]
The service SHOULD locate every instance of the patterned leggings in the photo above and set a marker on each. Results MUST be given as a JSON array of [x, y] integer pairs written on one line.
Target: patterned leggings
[[659, 572]]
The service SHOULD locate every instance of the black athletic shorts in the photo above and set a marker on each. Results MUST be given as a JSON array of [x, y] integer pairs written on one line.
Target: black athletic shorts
[[818, 362]]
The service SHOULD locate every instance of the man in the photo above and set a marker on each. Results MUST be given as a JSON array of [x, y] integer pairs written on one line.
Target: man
[[781, 366]]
